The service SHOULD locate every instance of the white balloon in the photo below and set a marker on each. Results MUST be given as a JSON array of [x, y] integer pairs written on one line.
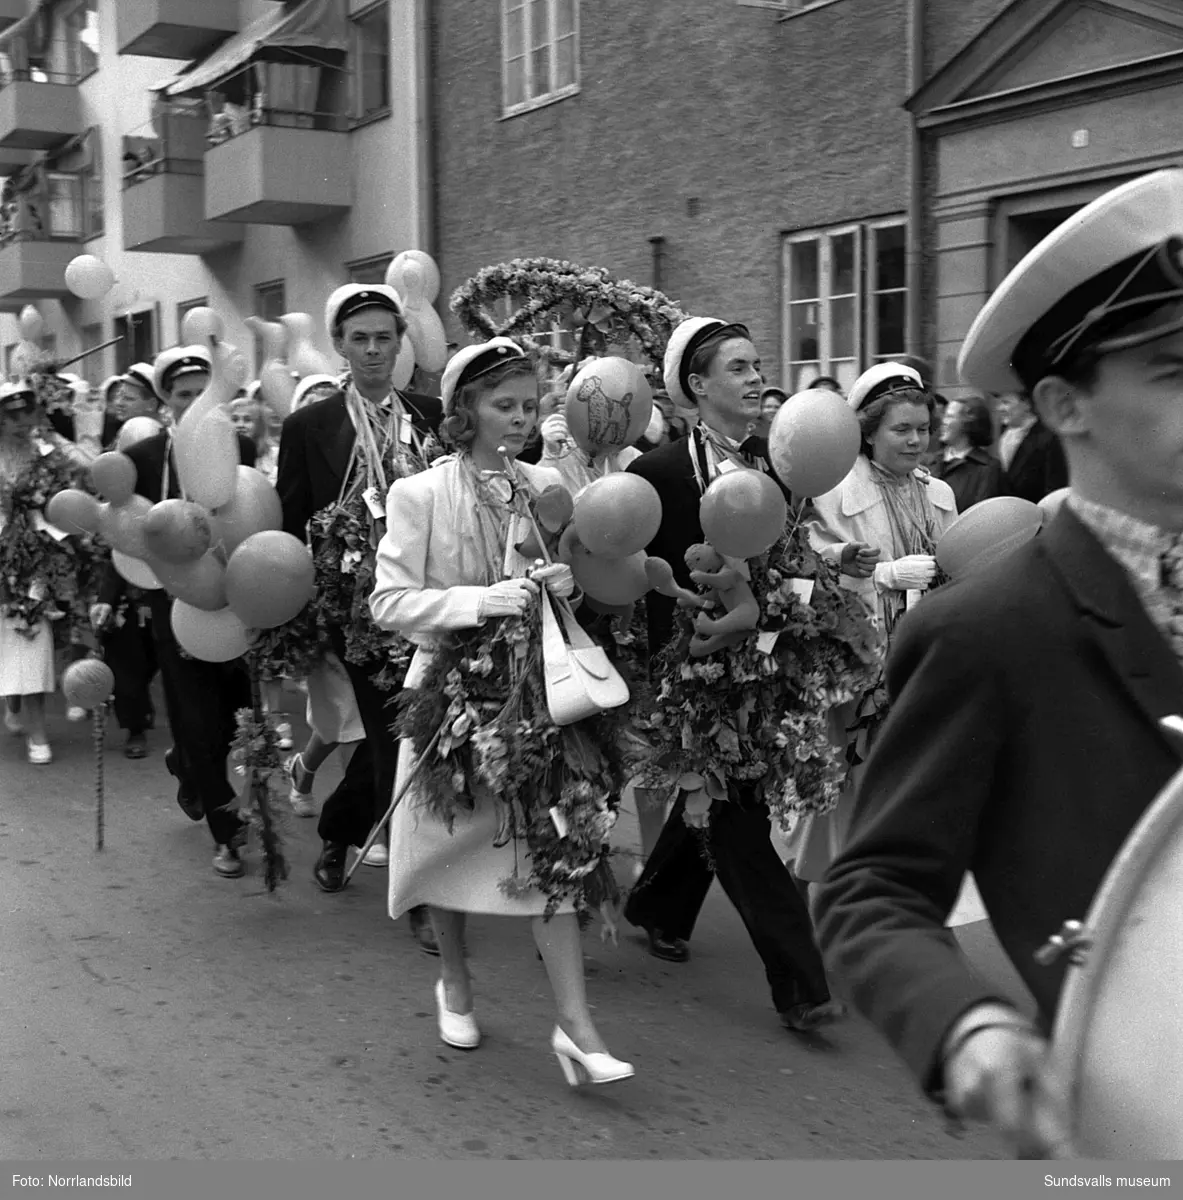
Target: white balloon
[[135, 570], [88, 277], [201, 326], [431, 273], [31, 324], [137, 429], [404, 366], [425, 331]]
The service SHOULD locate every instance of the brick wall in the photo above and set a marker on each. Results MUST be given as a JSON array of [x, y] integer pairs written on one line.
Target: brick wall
[[772, 126]]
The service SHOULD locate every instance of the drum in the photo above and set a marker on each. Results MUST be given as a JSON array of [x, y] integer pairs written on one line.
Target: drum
[[1118, 1038]]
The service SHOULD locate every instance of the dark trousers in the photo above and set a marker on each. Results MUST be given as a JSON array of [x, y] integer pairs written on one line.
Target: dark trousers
[[361, 798], [677, 877], [130, 651], [202, 699]]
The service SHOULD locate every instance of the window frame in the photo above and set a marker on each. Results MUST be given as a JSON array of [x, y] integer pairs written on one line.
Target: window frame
[[866, 233], [554, 95], [374, 263], [258, 292], [358, 118], [126, 325]]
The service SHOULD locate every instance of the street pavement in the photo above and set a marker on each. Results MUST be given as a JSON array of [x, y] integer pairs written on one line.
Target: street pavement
[[152, 1010]]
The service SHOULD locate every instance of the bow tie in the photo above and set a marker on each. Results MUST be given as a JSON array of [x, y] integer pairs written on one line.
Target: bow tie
[[754, 447]]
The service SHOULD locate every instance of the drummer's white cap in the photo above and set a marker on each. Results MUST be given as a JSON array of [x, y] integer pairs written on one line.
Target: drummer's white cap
[[177, 362], [353, 298], [1114, 261], [679, 353], [882, 379], [471, 363]]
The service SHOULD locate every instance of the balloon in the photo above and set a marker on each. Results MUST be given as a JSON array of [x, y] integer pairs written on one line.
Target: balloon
[[200, 584], [429, 342], [1050, 504], [122, 526], [201, 326], [404, 365], [986, 533], [74, 510], [813, 442], [135, 571], [207, 457], [235, 364], [114, 476], [31, 324], [272, 334], [303, 356], [136, 429], [210, 636], [177, 531], [87, 683], [743, 513], [269, 579], [608, 405], [277, 385], [617, 515], [255, 507], [88, 277], [429, 278], [613, 581]]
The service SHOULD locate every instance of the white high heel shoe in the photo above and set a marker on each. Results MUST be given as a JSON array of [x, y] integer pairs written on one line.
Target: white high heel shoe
[[587, 1068], [458, 1030]]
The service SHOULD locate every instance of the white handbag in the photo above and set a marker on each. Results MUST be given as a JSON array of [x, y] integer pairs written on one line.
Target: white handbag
[[580, 679]]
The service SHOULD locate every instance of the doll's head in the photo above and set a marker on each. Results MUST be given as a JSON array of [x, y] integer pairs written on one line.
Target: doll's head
[[703, 557]]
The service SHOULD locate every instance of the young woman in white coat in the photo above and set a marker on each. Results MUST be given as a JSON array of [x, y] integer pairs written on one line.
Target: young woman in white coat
[[448, 563], [881, 525]]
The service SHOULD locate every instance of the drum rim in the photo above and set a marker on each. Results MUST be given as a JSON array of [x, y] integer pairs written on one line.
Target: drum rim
[[1105, 919]]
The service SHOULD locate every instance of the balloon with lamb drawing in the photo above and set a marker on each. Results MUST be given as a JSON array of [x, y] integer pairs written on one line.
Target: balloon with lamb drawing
[[87, 683], [608, 406]]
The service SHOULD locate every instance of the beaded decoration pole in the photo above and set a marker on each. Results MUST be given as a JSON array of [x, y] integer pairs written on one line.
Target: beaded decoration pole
[[98, 718]]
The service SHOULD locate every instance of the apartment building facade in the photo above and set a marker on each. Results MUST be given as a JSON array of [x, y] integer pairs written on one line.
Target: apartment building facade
[[247, 154], [850, 177]]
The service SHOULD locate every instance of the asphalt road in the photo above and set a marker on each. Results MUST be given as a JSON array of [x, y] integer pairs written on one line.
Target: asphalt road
[[152, 1010]]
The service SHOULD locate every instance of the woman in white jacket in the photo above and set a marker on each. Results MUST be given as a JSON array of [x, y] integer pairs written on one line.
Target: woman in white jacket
[[449, 563], [881, 525]]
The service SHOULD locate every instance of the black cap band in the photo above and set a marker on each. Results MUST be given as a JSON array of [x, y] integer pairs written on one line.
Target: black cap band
[[189, 365], [1091, 314], [17, 402], [483, 363], [137, 380], [367, 299], [888, 387], [732, 329]]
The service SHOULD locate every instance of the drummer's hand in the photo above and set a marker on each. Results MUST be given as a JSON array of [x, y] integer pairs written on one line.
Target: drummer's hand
[[99, 615], [998, 1075]]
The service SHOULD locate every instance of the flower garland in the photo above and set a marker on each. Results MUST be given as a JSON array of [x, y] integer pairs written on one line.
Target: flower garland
[[760, 713], [557, 789], [43, 578], [255, 752], [564, 292]]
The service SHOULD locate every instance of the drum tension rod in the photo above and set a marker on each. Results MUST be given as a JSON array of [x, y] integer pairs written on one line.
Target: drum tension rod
[[1073, 940]]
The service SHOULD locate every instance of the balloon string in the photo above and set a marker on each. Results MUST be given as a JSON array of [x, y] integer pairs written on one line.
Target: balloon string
[[97, 719]]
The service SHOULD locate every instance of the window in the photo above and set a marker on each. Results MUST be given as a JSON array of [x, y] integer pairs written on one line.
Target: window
[[539, 52], [371, 62], [186, 306], [93, 223], [370, 270], [138, 331], [81, 24], [845, 301], [65, 204], [270, 301]]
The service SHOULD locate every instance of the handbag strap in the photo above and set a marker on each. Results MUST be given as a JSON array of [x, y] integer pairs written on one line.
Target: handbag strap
[[554, 645]]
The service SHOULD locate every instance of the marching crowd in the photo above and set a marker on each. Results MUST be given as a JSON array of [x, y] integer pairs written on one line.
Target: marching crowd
[[993, 695]]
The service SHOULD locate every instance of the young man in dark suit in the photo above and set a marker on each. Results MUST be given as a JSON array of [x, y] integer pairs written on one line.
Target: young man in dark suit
[[1023, 739], [1031, 455], [712, 365], [316, 461], [202, 698]]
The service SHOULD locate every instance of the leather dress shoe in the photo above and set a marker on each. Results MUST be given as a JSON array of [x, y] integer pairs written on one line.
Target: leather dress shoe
[[422, 931], [136, 747], [329, 871], [191, 806], [803, 1018], [671, 949]]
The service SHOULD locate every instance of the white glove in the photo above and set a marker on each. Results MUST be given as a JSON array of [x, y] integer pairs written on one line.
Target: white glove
[[913, 571], [555, 435], [557, 579], [509, 598]]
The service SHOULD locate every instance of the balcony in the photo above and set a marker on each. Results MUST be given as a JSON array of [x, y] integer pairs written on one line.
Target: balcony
[[184, 29], [11, 11], [278, 168], [164, 189], [39, 112], [32, 268]]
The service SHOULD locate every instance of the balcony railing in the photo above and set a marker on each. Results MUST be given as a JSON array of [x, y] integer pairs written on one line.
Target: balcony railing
[[33, 264], [62, 62], [173, 143]]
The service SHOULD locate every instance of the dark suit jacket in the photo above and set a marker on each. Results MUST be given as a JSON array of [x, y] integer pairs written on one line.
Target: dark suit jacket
[[314, 452], [1021, 744], [1039, 466], [148, 457], [63, 425], [974, 478]]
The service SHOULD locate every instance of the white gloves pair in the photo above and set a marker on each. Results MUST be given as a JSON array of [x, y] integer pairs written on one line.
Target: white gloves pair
[[511, 597], [556, 437], [912, 572]]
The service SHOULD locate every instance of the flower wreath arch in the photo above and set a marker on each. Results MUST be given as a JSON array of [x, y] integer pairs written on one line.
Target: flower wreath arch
[[551, 292]]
